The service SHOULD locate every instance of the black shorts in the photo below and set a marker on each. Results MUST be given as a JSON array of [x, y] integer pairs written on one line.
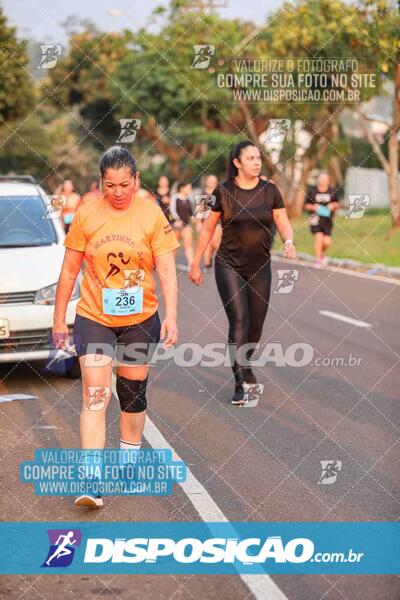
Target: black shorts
[[324, 226], [131, 344]]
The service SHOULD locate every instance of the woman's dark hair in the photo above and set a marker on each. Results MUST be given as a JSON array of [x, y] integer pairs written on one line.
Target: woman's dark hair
[[180, 185], [235, 153], [232, 171], [115, 158]]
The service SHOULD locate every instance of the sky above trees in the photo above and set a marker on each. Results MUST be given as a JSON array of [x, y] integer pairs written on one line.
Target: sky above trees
[[42, 19]]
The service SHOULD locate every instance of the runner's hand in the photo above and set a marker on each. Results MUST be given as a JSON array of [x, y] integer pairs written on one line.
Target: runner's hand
[[290, 250], [169, 331], [60, 335], [195, 274]]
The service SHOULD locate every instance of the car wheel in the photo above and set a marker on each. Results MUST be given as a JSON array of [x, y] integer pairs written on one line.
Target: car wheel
[[73, 370]]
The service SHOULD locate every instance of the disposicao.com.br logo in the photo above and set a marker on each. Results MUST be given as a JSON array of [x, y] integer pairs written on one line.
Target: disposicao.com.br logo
[[200, 547], [192, 550]]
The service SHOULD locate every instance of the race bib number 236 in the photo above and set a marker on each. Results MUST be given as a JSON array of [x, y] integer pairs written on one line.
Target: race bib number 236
[[122, 302]]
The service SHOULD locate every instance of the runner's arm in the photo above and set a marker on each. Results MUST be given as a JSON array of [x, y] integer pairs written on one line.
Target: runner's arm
[[285, 229], [334, 205], [166, 271], [310, 207], [69, 272], [282, 223], [172, 208], [206, 234]]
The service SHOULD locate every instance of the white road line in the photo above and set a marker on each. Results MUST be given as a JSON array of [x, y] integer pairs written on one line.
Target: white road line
[[261, 586], [339, 317]]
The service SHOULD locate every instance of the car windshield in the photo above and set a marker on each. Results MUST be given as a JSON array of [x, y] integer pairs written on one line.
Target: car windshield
[[23, 222]]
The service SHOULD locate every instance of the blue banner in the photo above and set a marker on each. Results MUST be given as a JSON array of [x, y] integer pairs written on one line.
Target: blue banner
[[199, 548], [109, 472]]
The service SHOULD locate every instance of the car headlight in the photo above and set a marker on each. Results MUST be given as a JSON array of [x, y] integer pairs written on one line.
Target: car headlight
[[47, 295]]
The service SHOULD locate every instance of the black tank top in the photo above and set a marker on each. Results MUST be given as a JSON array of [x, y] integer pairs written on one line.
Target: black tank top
[[184, 209], [164, 207]]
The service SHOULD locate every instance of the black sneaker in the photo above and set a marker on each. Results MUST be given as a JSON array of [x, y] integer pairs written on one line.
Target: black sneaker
[[238, 396], [247, 394]]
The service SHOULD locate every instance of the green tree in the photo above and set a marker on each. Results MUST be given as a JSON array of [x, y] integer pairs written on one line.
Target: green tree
[[315, 29], [16, 98], [380, 22], [148, 75]]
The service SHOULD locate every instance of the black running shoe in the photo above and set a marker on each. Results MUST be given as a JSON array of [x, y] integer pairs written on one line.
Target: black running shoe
[[238, 396]]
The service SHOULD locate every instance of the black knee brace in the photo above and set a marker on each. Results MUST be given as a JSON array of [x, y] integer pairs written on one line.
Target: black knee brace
[[132, 394]]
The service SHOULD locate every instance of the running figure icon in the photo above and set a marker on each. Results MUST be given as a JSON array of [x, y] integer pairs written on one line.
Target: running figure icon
[[62, 549], [114, 268]]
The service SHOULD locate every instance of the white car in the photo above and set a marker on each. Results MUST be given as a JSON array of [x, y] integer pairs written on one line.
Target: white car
[[31, 255]]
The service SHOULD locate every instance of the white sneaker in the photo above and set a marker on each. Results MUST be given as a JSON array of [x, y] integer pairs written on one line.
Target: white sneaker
[[89, 500]]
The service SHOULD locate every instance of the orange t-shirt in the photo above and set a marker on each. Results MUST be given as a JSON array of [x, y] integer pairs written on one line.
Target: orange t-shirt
[[115, 245]]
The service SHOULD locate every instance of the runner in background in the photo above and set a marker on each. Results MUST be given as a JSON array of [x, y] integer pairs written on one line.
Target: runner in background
[[163, 197], [92, 194], [73, 199], [144, 193], [210, 185], [321, 203], [182, 212]]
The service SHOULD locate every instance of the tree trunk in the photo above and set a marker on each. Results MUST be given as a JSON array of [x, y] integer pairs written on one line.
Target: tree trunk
[[296, 207], [334, 167], [393, 152]]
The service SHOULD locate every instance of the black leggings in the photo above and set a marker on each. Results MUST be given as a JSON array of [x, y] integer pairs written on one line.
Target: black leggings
[[245, 299]]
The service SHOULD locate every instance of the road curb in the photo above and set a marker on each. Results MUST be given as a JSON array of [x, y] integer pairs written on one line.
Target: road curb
[[343, 264]]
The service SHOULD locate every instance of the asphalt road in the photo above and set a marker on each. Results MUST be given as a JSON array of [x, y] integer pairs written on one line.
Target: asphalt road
[[260, 464]]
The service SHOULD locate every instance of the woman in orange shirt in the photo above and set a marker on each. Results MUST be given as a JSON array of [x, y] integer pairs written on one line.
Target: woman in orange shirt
[[121, 237]]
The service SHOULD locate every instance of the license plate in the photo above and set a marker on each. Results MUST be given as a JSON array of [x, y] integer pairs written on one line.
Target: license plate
[[4, 329]]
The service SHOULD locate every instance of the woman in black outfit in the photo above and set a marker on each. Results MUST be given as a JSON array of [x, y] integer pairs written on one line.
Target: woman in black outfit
[[163, 197], [182, 213], [247, 207]]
